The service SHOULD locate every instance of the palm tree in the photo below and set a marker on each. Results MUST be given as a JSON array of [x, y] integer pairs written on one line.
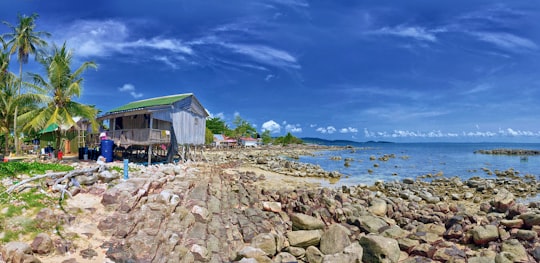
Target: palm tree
[[10, 101], [24, 41], [61, 86]]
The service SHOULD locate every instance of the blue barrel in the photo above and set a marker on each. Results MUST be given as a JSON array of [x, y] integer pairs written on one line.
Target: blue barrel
[[107, 150]]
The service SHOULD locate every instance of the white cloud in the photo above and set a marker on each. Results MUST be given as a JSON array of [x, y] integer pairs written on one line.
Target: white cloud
[[129, 88], [271, 126], [506, 40], [293, 128], [105, 37], [313, 125], [329, 130], [418, 33], [264, 54], [348, 129], [509, 132]]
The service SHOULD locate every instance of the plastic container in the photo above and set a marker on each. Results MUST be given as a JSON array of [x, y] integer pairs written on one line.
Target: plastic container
[[60, 155], [107, 150]]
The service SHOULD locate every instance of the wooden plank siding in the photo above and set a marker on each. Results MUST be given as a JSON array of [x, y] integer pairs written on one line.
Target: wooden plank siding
[[187, 116]]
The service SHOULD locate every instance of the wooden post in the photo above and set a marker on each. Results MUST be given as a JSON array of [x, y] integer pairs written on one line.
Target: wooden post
[[149, 154], [149, 138]]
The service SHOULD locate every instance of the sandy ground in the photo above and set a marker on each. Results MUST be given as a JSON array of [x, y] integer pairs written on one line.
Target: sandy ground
[[277, 181], [88, 211]]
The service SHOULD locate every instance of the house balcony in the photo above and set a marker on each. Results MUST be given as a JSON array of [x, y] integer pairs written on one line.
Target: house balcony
[[129, 137]]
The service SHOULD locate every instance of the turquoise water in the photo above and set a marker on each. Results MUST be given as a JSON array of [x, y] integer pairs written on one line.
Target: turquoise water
[[417, 159]]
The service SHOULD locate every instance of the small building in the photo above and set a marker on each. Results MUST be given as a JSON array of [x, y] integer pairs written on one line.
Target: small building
[[152, 121], [220, 140], [248, 142]]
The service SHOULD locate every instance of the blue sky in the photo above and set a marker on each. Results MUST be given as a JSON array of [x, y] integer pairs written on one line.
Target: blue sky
[[358, 70]]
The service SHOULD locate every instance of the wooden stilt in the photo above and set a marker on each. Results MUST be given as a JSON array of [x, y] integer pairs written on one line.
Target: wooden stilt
[[149, 154]]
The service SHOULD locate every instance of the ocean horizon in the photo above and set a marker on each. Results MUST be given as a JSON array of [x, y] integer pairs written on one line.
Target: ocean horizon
[[369, 162]]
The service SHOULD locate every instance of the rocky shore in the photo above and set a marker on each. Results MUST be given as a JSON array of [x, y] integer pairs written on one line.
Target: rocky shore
[[219, 211]]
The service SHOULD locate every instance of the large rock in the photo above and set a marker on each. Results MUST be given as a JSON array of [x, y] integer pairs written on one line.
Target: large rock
[[284, 257], [351, 254], [305, 222], [266, 242], [378, 249], [530, 219], [335, 239], [18, 252], [485, 234], [516, 248], [370, 224], [42, 244], [503, 201], [378, 207], [314, 255], [304, 238]]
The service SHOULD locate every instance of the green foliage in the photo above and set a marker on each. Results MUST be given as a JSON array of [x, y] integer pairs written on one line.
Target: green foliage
[[288, 139], [243, 128], [208, 136], [266, 138], [216, 125], [14, 168]]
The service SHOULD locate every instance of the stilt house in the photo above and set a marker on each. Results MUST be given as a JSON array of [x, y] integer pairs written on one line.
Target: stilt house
[[152, 121]]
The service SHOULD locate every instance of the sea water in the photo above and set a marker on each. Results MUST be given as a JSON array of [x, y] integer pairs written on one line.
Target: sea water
[[422, 159]]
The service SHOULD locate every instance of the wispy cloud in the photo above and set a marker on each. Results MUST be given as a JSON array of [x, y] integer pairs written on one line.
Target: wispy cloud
[[415, 32], [265, 54], [506, 40], [98, 38], [130, 89], [106, 38]]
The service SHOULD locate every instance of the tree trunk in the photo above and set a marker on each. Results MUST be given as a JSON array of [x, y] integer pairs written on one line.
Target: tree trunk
[[6, 146], [15, 135], [58, 142]]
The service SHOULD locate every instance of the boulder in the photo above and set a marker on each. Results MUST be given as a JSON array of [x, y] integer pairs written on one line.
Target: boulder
[[335, 239], [304, 238], [369, 224], [305, 222], [530, 219], [503, 201], [284, 257], [514, 247], [314, 255], [484, 234], [18, 252], [251, 252], [266, 242], [378, 249], [378, 207], [42, 244], [106, 176]]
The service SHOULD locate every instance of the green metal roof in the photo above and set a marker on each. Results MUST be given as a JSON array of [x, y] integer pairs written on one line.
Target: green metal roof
[[50, 128], [160, 101]]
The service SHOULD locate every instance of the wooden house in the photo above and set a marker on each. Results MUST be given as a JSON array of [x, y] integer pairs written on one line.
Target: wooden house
[[152, 121]]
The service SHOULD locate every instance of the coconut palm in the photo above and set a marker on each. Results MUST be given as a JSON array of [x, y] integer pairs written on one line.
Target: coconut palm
[[62, 86], [24, 40], [10, 101]]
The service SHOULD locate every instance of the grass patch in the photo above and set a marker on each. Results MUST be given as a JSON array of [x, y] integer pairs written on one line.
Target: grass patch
[[11, 169], [18, 210]]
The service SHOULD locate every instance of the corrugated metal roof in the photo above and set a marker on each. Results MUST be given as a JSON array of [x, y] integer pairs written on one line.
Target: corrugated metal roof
[[159, 101]]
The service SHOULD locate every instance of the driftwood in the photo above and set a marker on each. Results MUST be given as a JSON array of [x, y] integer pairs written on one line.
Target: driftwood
[[57, 183]]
